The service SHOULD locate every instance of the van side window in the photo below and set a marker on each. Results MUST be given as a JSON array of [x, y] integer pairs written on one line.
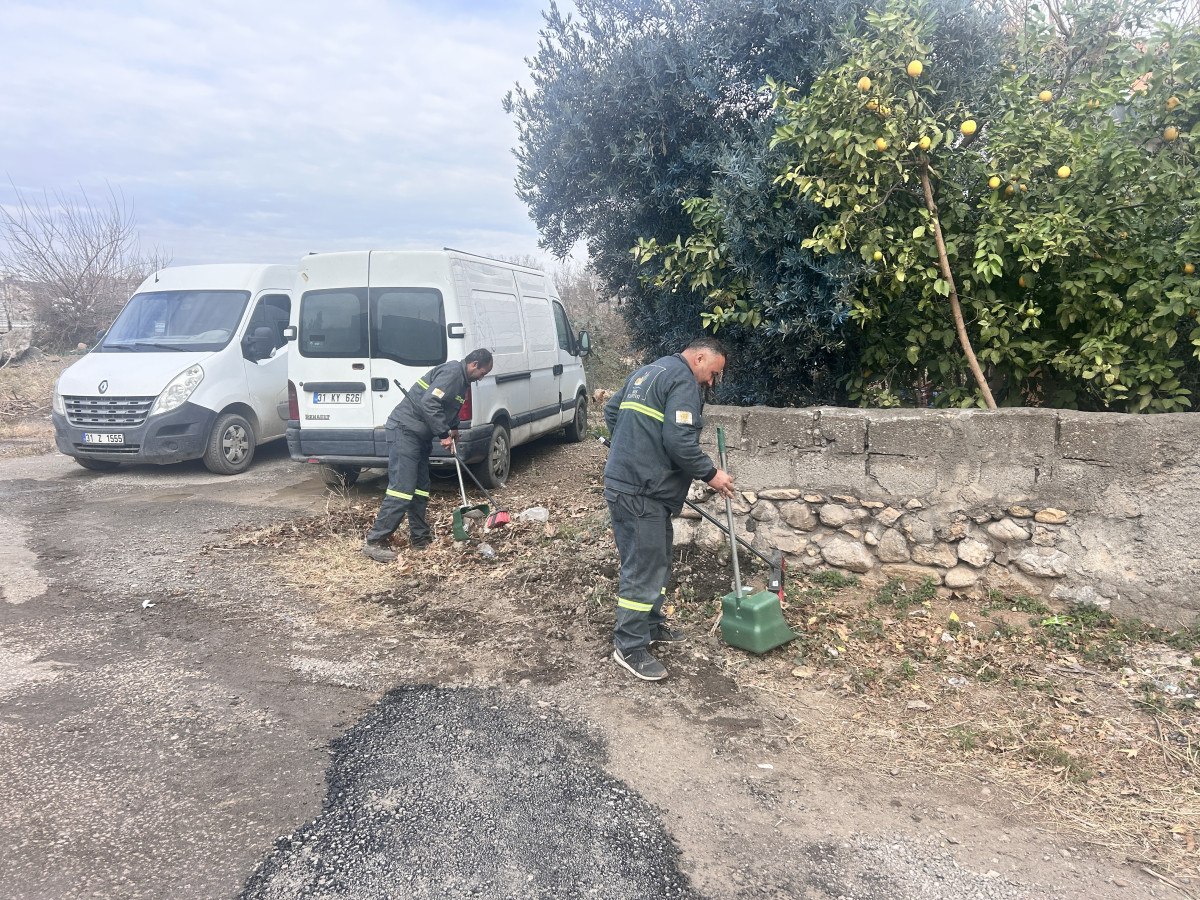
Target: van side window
[[564, 328], [333, 322], [408, 325], [273, 311]]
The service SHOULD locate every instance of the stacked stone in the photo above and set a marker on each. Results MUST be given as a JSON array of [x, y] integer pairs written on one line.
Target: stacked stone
[[966, 551]]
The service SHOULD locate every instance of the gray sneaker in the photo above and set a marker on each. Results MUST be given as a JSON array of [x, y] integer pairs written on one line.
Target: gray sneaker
[[641, 664], [665, 635], [378, 552]]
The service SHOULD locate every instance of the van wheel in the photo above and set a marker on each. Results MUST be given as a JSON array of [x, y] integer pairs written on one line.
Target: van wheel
[[577, 430], [97, 465], [340, 477], [230, 445], [493, 471]]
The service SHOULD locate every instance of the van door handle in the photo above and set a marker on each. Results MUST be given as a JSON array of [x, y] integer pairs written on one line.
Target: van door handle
[[379, 384], [558, 369]]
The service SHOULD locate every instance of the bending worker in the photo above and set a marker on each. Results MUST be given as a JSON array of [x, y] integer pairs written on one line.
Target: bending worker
[[655, 422], [429, 410]]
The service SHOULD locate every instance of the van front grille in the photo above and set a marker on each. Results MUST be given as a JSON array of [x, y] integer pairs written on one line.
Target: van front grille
[[86, 412]]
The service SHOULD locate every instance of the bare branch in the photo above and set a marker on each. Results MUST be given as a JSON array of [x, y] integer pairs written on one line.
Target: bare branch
[[78, 259]]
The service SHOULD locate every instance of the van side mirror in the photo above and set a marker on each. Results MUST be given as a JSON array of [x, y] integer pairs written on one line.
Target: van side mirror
[[289, 333], [584, 343]]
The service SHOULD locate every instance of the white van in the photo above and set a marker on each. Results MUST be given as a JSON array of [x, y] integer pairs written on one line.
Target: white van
[[195, 366], [368, 324]]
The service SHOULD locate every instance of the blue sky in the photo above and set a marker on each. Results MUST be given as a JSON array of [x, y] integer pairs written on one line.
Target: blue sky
[[261, 130]]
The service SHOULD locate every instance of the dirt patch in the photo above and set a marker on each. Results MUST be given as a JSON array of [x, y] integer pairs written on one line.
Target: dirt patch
[[1071, 719]]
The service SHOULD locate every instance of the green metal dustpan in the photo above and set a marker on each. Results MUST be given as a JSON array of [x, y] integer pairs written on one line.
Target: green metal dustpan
[[749, 621], [467, 510]]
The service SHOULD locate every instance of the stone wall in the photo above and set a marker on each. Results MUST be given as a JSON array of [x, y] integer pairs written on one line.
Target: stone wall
[[1079, 507]]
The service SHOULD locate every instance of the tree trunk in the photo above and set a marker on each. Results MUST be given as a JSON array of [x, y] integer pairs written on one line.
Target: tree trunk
[[944, 262]]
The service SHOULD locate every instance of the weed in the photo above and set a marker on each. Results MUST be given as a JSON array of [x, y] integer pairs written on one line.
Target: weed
[[1047, 754], [870, 629], [897, 594], [965, 737], [1152, 702], [987, 673], [1002, 630], [1020, 603], [834, 579]]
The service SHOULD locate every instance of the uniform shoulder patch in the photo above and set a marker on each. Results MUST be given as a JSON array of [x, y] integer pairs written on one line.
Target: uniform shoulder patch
[[439, 393], [683, 417]]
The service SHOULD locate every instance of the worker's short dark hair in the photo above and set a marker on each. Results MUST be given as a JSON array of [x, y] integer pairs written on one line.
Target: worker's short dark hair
[[481, 357], [709, 343]]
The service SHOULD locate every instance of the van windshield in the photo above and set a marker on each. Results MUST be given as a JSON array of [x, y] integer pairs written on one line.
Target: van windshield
[[183, 321]]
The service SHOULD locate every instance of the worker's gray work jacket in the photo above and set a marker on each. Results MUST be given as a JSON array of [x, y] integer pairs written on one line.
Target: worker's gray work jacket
[[655, 422]]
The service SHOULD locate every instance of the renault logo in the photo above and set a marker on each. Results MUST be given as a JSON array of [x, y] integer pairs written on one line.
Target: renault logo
[[104, 387]]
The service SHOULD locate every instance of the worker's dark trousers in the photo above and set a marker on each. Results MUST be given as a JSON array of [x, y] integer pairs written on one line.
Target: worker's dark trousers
[[407, 491], [644, 536]]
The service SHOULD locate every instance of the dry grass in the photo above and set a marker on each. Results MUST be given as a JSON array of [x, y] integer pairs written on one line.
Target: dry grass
[[1082, 722], [25, 392]]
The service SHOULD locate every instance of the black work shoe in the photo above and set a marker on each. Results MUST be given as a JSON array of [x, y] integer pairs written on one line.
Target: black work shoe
[[641, 664], [666, 635], [418, 546], [378, 552]]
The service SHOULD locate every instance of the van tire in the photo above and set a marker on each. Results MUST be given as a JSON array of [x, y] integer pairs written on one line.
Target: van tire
[[577, 430], [340, 477], [230, 445], [493, 471], [97, 465]]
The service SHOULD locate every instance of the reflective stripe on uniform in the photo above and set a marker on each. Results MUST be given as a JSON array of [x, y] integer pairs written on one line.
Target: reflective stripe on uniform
[[402, 496], [644, 410], [421, 493], [422, 382], [624, 603], [663, 592]]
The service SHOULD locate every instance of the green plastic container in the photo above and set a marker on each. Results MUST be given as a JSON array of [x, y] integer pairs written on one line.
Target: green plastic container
[[755, 624]]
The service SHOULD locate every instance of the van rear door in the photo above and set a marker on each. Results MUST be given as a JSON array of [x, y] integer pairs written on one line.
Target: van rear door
[[333, 339], [407, 324]]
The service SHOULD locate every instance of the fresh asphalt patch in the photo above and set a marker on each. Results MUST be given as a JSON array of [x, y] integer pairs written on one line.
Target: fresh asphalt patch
[[472, 793]]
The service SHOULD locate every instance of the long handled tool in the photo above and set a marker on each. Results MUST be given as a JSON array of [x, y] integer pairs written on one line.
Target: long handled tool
[[752, 622], [476, 511], [501, 516]]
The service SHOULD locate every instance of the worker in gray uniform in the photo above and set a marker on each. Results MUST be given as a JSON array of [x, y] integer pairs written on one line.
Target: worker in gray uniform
[[655, 422], [429, 410]]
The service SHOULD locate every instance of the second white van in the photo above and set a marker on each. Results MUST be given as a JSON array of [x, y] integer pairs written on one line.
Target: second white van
[[368, 324]]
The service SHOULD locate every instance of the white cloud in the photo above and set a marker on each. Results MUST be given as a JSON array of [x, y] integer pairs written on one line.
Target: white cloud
[[261, 130]]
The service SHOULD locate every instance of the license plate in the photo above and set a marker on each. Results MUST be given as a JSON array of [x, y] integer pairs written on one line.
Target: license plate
[[103, 437], [341, 399]]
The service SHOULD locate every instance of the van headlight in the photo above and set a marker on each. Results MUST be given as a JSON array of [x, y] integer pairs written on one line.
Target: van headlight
[[56, 402], [177, 392]]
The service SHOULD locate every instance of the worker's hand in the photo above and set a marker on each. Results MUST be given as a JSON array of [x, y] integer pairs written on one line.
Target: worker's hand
[[448, 442], [722, 483]]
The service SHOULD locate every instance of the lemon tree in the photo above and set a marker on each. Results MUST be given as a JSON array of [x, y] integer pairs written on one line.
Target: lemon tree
[[1033, 246]]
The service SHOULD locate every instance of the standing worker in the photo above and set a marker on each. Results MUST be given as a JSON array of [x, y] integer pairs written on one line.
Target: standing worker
[[429, 410], [655, 422]]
